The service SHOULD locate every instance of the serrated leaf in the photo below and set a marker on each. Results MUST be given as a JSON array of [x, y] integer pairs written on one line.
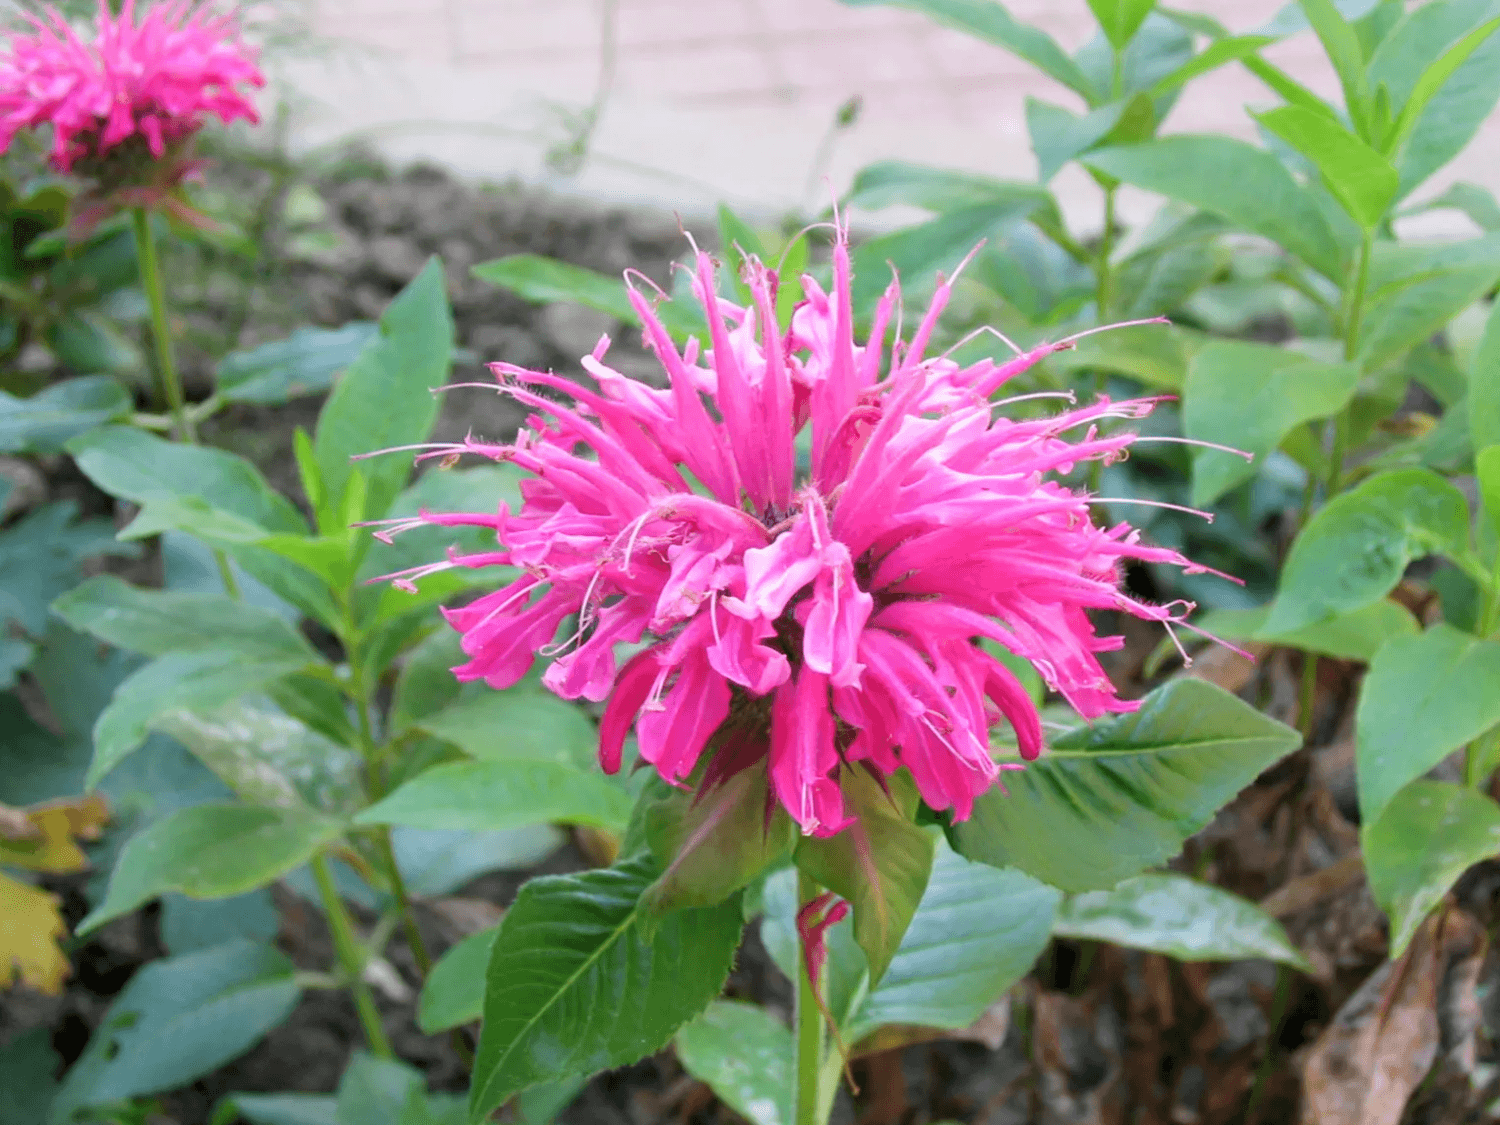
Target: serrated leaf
[[1250, 396], [1109, 800], [1180, 917], [1429, 834], [1354, 551], [304, 363], [573, 988], [1242, 184], [744, 1055], [889, 183], [211, 851], [493, 795], [1423, 698], [1058, 134]]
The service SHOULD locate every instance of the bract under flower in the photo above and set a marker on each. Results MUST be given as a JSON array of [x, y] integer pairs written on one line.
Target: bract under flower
[[834, 602]]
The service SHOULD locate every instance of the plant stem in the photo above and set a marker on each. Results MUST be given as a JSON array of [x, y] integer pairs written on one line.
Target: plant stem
[[809, 1025], [169, 386], [1103, 278], [403, 903], [351, 957], [1309, 692]]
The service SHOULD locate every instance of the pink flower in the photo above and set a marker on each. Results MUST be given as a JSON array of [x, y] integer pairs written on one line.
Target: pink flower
[[158, 80], [831, 599]]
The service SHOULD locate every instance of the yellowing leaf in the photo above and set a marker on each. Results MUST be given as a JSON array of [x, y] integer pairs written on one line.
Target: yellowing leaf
[[41, 838], [30, 926]]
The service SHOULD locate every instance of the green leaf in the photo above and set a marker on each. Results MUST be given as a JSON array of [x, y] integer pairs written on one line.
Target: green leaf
[[573, 988], [879, 864], [305, 363], [1422, 699], [179, 1019], [40, 556], [202, 680], [524, 722], [1216, 54], [1342, 45], [889, 183], [1120, 19], [1487, 470], [1429, 834], [375, 1091], [482, 488], [269, 758], [454, 992], [135, 466], [1415, 311], [1361, 179], [1112, 799], [977, 931], [1180, 917], [27, 1064], [1476, 202], [494, 795], [1434, 78], [439, 861], [1250, 396], [87, 342], [386, 398], [1355, 550], [211, 851], [1242, 184], [1353, 636], [1458, 108], [1484, 385], [281, 1109], [546, 281], [990, 21], [157, 622], [744, 1055], [711, 844], [918, 253], [1157, 355], [52, 416], [1058, 135]]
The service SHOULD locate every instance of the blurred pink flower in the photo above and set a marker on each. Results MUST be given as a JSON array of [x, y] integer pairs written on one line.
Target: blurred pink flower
[[157, 79], [830, 598]]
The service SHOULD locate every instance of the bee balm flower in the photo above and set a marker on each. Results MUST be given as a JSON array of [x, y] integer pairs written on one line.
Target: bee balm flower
[[154, 82], [828, 602]]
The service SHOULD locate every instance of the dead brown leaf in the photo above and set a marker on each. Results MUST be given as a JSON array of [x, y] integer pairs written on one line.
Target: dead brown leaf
[[1380, 1046]]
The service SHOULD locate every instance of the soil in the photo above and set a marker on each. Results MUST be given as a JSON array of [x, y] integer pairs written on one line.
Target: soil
[[1094, 1036]]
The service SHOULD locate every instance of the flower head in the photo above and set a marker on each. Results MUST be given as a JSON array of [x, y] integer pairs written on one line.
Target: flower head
[[154, 82], [810, 535]]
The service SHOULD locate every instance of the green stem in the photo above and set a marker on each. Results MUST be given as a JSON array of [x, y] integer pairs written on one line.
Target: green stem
[[371, 753], [1309, 693], [169, 386], [1103, 278], [809, 1025], [351, 957]]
